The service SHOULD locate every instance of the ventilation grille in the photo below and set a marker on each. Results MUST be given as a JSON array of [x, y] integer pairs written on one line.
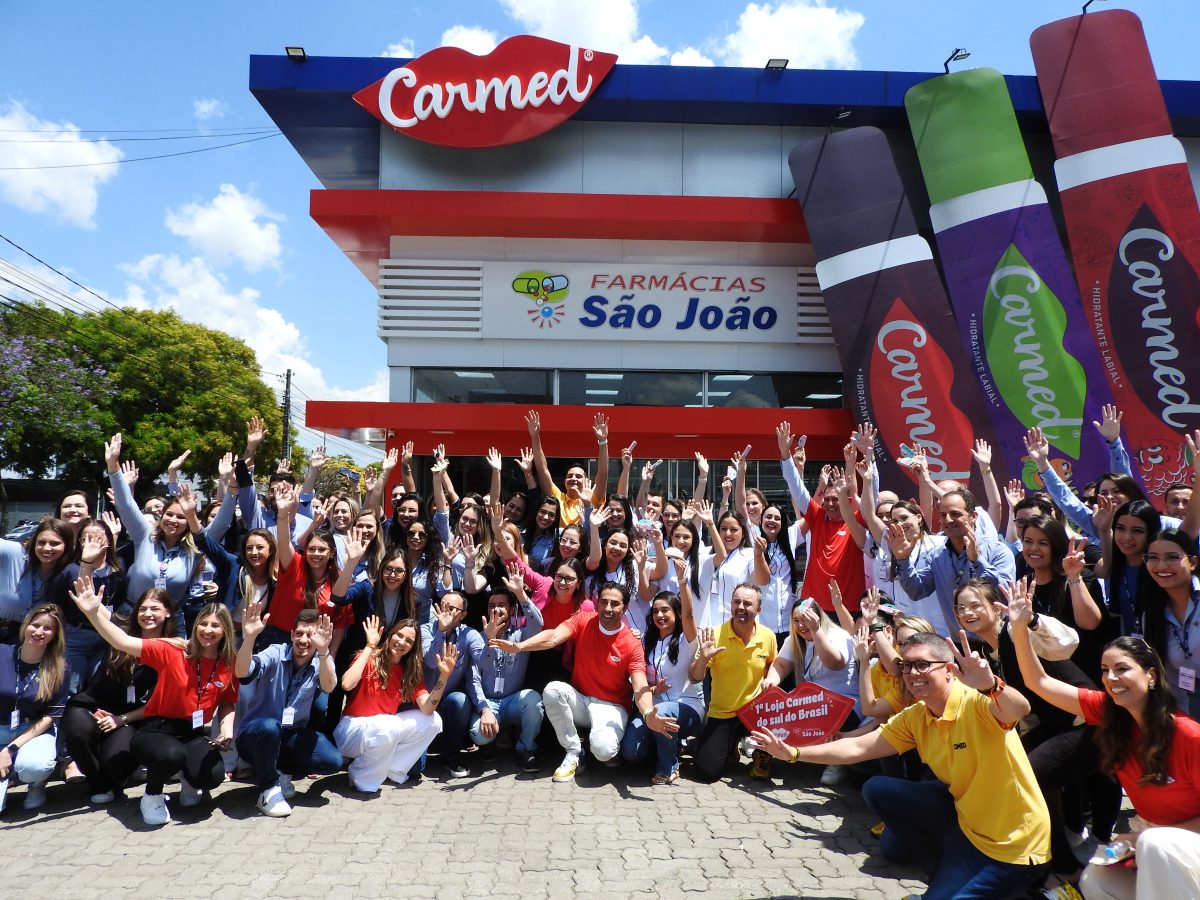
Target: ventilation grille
[[430, 298], [812, 321]]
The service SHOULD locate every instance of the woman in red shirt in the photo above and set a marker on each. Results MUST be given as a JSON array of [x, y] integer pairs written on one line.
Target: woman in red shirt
[[308, 585], [391, 718], [1152, 750], [195, 687]]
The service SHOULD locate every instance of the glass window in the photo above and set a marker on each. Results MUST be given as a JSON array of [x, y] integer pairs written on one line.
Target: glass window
[[793, 390], [631, 388], [476, 386]]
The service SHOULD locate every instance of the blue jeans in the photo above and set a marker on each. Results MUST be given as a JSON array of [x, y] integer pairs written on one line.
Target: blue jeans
[[639, 739], [524, 708], [85, 651], [455, 710], [269, 748], [922, 829], [36, 759]]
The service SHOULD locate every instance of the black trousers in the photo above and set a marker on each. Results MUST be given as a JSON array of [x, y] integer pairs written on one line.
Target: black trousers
[[716, 742], [104, 757], [167, 746]]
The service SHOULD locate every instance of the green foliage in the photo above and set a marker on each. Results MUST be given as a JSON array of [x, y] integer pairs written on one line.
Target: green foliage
[[168, 386]]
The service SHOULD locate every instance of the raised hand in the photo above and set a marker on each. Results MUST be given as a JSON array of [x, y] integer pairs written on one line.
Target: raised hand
[[225, 467], [493, 627], [1073, 563], [514, 580], [494, 459], [638, 549], [85, 596], [177, 463], [187, 500], [920, 463], [356, 549], [389, 461], [866, 440], [317, 458], [447, 660], [1109, 425], [320, 508], [971, 544], [445, 617], [1193, 445], [1019, 595], [601, 517], [533, 421], [708, 644], [373, 629], [440, 464], [760, 545], [112, 453], [1102, 516], [406, 453], [702, 463], [870, 605], [810, 618], [323, 636], [113, 522], [783, 437], [1037, 447], [704, 511], [495, 513], [862, 643], [647, 470], [91, 546], [1014, 492], [452, 548], [840, 485], [130, 472], [600, 427], [525, 461], [973, 668], [256, 430], [901, 544], [253, 621], [370, 479], [982, 451], [285, 501]]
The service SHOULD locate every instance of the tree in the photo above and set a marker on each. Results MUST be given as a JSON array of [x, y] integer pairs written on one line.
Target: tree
[[166, 384]]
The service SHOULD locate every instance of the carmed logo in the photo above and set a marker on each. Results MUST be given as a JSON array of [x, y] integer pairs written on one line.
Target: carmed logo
[[911, 378], [546, 294], [525, 87]]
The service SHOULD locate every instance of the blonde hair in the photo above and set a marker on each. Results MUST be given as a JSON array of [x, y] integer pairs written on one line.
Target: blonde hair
[[227, 650], [52, 670]]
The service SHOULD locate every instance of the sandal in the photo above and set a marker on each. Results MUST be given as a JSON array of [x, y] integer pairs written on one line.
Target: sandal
[[666, 779]]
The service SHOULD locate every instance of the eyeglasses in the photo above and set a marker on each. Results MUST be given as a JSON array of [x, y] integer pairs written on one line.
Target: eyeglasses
[[963, 608], [1171, 559], [394, 572], [453, 610], [416, 535], [471, 522], [565, 579], [920, 666]]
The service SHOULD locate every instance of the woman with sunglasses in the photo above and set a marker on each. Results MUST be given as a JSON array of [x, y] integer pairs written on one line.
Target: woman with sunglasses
[[1172, 613], [423, 554]]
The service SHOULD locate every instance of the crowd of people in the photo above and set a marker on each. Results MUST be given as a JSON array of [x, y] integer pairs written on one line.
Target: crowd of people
[[1014, 665]]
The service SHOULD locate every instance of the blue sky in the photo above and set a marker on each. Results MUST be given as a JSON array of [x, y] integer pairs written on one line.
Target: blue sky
[[225, 238]]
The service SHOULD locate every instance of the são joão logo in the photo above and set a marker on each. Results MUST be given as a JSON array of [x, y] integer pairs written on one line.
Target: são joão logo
[[546, 294]]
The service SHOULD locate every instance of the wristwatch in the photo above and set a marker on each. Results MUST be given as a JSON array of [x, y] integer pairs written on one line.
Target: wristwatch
[[12, 751]]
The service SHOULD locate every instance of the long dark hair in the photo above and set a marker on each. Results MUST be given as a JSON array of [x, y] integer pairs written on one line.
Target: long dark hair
[[406, 606], [557, 559], [693, 557], [431, 555], [312, 588], [580, 592], [1153, 600], [599, 578], [111, 558], [650, 634], [622, 501], [783, 544], [65, 534], [118, 666], [1149, 516], [742, 523], [1114, 734], [1124, 483], [412, 668]]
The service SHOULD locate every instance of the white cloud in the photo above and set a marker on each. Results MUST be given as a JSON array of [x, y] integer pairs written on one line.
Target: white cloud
[[71, 194], [198, 293], [471, 38], [690, 56], [402, 49], [208, 108], [230, 228], [611, 26], [809, 33]]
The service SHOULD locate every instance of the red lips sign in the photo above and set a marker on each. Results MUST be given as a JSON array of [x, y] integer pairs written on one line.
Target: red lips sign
[[808, 715], [525, 87]]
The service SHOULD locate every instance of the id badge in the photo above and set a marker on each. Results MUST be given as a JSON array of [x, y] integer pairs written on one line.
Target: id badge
[[14, 720], [499, 684], [198, 719], [1187, 679], [289, 717], [130, 694], [160, 583]]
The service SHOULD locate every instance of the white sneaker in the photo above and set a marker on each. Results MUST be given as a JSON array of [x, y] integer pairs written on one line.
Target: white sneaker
[[3, 793], [833, 775], [271, 803], [35, 796], [154, 809], [285, 785], [188, 795], [101, 799], [565, 773]]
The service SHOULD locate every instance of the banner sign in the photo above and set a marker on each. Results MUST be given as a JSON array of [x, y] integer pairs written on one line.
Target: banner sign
[[525, 87], [591, 301], [1011, 287], [891, 320], [1133, 225], [809, 714]]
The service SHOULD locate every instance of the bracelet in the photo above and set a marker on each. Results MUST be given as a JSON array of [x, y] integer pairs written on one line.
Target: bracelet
[[601, 443], [996, 689], [795, 755], [1075, 581], [124, 720]]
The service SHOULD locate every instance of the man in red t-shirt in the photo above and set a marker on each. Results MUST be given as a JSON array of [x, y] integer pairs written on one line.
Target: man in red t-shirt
[[608, 661], [833, 554]]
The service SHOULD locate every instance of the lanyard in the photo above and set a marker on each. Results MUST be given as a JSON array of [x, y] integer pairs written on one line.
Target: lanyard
[[288, 697], [212, 674], [1183, 637], [657, 661], [952, 556], [19, 679]]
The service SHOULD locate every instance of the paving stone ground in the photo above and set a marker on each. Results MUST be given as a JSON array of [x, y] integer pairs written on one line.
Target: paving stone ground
[[499, 833]]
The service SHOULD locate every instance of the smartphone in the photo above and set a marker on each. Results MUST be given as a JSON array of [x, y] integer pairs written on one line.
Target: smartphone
[[801, 441], [349, 473]]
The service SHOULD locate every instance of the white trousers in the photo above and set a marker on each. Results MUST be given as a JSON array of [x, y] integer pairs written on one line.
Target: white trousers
[[567, 709], [385, 746], [1168, 868]]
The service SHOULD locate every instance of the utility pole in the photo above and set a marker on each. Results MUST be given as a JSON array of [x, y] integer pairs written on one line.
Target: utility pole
[[287, 416]]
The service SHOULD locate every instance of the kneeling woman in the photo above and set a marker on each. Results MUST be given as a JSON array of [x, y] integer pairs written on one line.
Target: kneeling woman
[[390, 719], [1151, 748], [99, 724], [195, 685]]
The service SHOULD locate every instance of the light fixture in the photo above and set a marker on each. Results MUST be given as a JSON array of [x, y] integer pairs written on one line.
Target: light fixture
[[959, 53], [776, 64], [605, 376], [730, 377], [840, 115], [475, 375], [601, 393], [296, 54], [822, 396]]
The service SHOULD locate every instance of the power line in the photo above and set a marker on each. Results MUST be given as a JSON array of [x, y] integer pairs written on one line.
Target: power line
[[199, 136], [190, 128], [130, 159]]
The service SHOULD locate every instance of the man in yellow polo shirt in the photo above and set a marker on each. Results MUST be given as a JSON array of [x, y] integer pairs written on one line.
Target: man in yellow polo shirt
[[570, 503], [982, 829], [738, 654]]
